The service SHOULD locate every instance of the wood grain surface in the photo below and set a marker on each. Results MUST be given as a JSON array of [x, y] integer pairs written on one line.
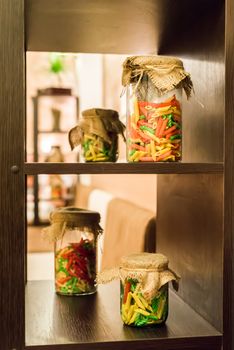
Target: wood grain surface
[[201, 48], [12, 181], [228, 305], [93, 322], [122, 168], [93, 26], [190, 234]]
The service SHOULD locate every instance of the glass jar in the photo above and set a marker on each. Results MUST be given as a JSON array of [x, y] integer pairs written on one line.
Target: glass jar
[[154, 109], [97, 132], [75, 234], [144, 289]]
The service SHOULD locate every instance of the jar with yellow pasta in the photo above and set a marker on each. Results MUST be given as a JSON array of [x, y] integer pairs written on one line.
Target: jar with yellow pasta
[[144, 281]]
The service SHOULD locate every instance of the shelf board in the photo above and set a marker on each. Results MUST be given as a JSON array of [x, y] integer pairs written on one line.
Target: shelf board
[[122, 168], [52, 132], [93, 322], [61, 199]]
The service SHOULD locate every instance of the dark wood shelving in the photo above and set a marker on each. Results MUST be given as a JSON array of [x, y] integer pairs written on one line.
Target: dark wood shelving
[[93, 322], [195, 211], [122, 168]]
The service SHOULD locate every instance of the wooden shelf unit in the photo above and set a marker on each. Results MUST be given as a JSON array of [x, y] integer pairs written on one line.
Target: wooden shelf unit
[[195, 227]]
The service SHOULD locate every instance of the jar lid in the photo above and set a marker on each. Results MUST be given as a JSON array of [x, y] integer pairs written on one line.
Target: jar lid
[[147, 261], [74, 215], [101, 112], [166, 73], [97, 121], [71, 217]]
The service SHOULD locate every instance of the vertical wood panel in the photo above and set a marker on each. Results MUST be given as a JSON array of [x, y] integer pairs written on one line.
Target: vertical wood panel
[[12, 184], [228, 307], [203, 123], [190, 233], [201, 47], [190, 207]]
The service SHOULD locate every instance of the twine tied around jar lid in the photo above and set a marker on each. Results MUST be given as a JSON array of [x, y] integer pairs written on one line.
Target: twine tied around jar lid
[[150, 269], [97, 121], [71, 217], [165, 73]]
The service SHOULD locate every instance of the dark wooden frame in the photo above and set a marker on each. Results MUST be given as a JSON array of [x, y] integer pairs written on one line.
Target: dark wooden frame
[[228, 285], [13, 170], [12, 136]]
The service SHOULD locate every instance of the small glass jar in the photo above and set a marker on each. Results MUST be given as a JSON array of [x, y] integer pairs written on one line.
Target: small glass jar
[[75, 234], [154, 109], [97, 132], [144, 289]]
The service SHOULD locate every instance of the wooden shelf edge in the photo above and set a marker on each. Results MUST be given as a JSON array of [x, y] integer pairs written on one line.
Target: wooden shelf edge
[[122, 168], [193, 343], [53, 132]]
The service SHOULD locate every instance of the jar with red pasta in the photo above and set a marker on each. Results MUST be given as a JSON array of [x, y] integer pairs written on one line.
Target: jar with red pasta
[[75, 233], [154, 87]]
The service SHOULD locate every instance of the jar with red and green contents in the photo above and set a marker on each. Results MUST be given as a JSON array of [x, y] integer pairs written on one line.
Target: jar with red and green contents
[[154, 87], [144, 279], [75, 233]]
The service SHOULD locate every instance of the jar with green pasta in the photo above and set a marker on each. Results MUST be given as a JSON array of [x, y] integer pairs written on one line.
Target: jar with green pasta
[[74, 232], [144, 282], [97, 133]]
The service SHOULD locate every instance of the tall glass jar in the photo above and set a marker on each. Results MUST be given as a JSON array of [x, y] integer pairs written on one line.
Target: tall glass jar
[[75, 234], [144, 289], [97, 132], [154, 107]]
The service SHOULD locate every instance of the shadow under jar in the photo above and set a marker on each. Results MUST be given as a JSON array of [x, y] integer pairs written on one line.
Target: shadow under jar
[[75, 233], [154, 109], [144, 289]]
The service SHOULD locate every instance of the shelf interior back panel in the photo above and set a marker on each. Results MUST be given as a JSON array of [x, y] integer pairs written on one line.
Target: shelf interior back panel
[[90, 26], [201, 48], [190, 234], [131, 27], [93, 322]]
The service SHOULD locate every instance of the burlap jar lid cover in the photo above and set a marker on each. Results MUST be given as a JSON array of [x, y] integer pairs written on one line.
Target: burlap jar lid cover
[[150, 269], [71, 217], [97, 121], [166, 73]]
